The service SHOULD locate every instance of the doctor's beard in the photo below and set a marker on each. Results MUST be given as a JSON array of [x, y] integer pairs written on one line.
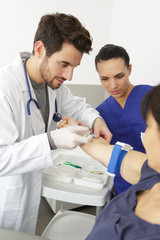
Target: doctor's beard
[[53, 82]]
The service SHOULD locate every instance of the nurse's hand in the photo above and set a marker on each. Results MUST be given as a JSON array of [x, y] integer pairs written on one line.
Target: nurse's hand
[[70, 137], [100, 129]]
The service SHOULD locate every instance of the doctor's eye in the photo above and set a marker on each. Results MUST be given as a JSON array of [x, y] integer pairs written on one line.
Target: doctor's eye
[[63, 64]]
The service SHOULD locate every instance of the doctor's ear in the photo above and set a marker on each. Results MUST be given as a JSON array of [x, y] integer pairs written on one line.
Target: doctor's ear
[[39, 49]]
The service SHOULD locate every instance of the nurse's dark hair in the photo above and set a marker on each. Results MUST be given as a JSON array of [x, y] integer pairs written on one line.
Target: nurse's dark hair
[[151, 104], [111, 51], [55, 29]]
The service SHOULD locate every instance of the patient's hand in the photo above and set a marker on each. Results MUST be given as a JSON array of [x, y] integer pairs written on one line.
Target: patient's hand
[[66, 122], [69, 121]]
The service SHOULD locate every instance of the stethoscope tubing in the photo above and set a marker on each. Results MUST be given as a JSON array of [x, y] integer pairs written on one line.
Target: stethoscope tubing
[[29, 91], [56, 117]]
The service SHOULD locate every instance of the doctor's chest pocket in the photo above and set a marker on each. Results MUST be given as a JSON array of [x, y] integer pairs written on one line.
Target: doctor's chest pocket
[[11, 194]]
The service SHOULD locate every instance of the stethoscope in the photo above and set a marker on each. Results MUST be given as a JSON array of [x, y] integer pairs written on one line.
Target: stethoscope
[[56, 117]]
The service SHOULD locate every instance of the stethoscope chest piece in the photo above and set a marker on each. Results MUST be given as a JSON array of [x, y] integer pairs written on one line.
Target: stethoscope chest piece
[[57, 117]]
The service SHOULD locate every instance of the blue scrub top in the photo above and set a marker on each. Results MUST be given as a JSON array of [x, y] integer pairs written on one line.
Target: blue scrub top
[[125, 124]]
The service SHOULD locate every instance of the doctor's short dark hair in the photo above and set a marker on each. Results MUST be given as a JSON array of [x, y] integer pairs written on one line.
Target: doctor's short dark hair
[[55, 29], [111, 51], [151, 104]]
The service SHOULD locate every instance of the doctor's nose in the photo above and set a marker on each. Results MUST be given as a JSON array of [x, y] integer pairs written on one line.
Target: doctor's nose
[[68, 74]]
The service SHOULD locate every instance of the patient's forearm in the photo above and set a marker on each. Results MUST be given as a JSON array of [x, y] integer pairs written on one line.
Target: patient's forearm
[[98, 149], [131, 165]]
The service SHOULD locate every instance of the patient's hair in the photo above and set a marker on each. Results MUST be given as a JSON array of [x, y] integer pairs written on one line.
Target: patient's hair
[[55, 29], [151, 104], [111, 51]]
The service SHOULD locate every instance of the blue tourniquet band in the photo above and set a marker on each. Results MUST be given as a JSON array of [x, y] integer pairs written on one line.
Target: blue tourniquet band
[[119, 162], [116, 159]]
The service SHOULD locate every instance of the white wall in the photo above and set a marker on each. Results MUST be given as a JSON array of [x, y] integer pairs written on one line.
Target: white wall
[[134, 24], [19, 20], [136, 27]]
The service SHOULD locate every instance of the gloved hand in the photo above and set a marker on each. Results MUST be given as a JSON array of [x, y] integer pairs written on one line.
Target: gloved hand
[[70, 137]]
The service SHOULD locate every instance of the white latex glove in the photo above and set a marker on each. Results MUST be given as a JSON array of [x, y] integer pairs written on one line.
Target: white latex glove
[[70, 137]]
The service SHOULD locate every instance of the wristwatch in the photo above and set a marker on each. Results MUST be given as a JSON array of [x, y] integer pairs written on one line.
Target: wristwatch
[[119, 151]]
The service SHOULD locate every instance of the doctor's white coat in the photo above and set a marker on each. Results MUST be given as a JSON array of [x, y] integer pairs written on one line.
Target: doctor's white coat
[[24, 146]]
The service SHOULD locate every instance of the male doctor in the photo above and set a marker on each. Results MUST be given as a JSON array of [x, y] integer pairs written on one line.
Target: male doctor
[[32, 97]]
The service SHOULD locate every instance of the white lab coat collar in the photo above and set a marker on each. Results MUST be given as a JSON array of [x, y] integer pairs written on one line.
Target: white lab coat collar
[[18, 65], [34, 111], [36, 119]]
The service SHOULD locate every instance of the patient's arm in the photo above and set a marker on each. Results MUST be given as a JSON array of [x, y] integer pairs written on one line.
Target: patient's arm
[[100, 149], [132, 162]]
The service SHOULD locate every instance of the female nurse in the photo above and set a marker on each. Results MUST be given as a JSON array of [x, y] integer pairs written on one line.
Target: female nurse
[[121, 110]]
